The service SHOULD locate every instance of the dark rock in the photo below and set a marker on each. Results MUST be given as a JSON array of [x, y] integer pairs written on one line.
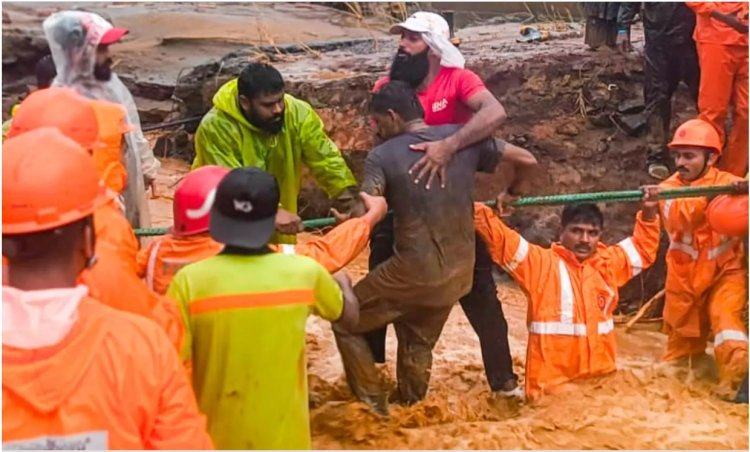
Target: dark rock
[[629, 106]]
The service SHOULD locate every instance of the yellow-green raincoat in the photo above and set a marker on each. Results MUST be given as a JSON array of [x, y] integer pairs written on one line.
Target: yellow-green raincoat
[[226, 138]]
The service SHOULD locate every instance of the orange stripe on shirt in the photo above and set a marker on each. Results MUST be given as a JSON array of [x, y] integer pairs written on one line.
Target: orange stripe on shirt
[[254, 300]]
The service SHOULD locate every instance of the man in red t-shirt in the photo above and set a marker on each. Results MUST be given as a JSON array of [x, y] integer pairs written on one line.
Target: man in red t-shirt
[[449, 94]]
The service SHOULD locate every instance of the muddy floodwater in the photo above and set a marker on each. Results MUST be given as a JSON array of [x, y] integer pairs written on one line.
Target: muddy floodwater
[[641, 406]]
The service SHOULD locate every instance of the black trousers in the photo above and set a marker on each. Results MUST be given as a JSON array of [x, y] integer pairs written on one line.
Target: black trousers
[[665, 66], [481, 306]]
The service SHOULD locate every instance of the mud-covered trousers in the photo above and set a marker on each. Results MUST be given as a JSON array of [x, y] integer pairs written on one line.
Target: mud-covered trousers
[[418, 328], [481, 306], [666, 65]]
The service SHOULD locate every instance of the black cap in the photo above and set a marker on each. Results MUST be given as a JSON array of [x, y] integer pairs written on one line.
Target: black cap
[[244, 211]]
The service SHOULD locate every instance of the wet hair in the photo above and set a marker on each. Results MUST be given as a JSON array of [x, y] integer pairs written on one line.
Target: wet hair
[[258, 79], [45, 72], [585, 213], [400, 97]]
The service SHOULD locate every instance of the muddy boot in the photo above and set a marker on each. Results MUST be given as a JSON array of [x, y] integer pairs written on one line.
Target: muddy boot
[[741, 396]]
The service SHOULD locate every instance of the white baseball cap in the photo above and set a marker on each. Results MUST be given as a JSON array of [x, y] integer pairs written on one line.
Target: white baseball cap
[[424, 22]]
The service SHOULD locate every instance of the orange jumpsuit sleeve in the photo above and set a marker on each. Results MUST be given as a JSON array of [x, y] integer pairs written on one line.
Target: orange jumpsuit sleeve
[[634, 254], [524, 261], [702, 8], [178, 424], [337, 248]]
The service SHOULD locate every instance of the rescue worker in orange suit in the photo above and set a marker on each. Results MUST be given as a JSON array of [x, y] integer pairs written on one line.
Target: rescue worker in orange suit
[[572, 288], [97, 126], [189, 240], [721, 37], [728, 215], [706, 287], [77, 374], [114, 273]]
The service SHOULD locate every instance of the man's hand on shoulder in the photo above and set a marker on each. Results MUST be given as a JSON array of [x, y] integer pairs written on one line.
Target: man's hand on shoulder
[[433, 164]]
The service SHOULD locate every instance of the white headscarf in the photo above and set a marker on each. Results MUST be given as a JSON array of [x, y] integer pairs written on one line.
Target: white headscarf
[[436, 34]]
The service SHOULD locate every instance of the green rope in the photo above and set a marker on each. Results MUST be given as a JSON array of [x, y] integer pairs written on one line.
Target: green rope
[[552, 200]]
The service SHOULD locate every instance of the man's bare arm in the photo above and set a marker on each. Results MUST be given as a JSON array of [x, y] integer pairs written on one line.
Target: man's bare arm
[[489, 114], [518, 165], [522, 164]]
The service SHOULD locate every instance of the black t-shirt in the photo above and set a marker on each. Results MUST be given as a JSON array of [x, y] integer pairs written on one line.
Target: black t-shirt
[[434, 229]]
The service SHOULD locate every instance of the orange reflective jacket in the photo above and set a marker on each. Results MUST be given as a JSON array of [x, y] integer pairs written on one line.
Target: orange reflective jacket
[[112, 122], [697, 255], [159, 262], [112, 283], [114, 382], [713, 31], [571, 330], [111, 226]]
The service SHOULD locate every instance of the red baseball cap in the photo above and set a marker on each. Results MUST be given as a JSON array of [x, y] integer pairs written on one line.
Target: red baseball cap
[[113, 35]]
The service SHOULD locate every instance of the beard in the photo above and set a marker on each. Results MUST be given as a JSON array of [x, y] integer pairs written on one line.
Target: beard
[[273, 125], [411, 69], [103, 72]]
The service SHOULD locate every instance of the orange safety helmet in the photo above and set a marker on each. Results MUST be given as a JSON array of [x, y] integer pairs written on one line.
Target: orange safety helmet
[[49, 181], [697, 133], [193, 198], [61, 108], [727, 214]]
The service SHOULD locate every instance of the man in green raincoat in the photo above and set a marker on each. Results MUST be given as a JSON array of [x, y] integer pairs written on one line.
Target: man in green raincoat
[[255, 123]]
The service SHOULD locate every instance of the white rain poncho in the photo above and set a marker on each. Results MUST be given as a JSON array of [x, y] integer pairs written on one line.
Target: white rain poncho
[[73, 38]]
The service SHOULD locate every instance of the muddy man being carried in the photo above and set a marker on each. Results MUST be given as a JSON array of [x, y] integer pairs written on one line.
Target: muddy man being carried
[[432, 265]]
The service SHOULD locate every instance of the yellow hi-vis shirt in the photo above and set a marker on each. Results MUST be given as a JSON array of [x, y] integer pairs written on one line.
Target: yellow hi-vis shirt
[[245, 321]]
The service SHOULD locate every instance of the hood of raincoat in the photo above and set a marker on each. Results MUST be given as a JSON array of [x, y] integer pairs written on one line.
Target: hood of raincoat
[[46, 377], [73, 38]]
